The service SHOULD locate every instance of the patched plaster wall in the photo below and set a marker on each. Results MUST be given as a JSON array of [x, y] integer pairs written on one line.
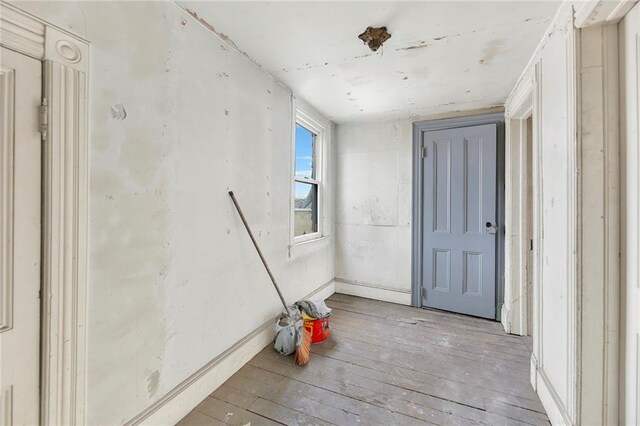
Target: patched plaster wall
[[373, 210], [179, 117]]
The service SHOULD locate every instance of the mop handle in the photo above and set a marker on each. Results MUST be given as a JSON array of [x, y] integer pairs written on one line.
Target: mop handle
[[255, 244]]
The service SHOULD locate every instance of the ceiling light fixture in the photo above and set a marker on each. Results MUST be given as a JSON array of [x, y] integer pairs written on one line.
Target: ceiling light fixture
[[374, 37]]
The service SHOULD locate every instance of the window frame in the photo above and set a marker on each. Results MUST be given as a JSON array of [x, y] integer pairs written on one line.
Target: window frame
[[306, 120]]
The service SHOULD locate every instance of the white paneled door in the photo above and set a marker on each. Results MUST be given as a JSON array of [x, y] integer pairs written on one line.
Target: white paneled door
[[459, 220], [20, 233]]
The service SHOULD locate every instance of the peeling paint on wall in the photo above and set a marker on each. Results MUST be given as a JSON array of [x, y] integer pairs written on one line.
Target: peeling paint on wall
[[222, 36]]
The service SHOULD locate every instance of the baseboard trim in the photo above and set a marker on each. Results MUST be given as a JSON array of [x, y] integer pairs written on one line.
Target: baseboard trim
[[178, 402], [551, 402], [504, 318], [372, 291]]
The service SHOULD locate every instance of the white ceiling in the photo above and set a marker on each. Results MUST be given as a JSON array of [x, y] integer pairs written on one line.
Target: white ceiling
[[442, 56]]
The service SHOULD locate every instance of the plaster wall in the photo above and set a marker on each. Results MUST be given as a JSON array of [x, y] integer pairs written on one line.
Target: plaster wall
[[552, 71], [556, 171], [178, 118], [373, 210], [574, 79]]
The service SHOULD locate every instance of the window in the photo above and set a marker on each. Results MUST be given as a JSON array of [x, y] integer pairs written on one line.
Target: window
[[307, 180]]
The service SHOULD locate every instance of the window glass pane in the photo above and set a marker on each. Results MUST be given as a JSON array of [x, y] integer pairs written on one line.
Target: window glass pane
[[305, 220], [305, 141]]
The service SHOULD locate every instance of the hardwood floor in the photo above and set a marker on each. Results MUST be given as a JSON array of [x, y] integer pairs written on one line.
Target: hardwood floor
[[385, 364]]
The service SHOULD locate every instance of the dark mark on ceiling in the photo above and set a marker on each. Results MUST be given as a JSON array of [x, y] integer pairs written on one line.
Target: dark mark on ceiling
[[492, 50], [419, 45]]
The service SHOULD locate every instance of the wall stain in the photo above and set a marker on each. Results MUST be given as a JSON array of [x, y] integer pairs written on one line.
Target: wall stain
[[153, 382]]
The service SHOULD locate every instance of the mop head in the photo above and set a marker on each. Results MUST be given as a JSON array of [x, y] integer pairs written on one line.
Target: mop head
[[292, 337], [289, 332]]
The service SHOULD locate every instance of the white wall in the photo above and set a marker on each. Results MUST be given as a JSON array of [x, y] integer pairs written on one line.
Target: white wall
[[552, 68], [572, 78], [373, 210], [174, 281]]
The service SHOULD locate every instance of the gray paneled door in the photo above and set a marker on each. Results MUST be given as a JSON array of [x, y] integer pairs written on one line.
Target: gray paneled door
[[459, 220]]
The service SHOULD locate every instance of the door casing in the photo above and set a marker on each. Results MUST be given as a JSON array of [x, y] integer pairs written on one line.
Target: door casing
[[419, 128], [65, 208]]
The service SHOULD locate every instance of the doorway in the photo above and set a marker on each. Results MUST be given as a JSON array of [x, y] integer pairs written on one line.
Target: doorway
[[528, 222], [457, 237], [20, 234]]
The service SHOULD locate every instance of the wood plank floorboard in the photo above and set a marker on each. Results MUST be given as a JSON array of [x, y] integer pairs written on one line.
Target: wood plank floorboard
[[385, 364]]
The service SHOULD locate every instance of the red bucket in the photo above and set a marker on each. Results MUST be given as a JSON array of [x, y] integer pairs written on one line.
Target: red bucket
[[319, 329]]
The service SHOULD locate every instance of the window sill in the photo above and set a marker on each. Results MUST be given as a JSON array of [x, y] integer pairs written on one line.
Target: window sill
[[303, 248]]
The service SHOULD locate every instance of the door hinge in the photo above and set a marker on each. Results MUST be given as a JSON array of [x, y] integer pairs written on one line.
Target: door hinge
[[44, 118], [424, 152], [531, 245]]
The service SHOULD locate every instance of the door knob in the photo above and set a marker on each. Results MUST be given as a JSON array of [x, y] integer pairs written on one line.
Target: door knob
[[491, 227]]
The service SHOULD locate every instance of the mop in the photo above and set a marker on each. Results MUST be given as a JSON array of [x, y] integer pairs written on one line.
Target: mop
[[289, 330]]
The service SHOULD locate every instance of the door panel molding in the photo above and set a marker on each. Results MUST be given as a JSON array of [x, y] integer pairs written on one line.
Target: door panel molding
[[419, 128], [65, 209], [7, 95], [445, 227]]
